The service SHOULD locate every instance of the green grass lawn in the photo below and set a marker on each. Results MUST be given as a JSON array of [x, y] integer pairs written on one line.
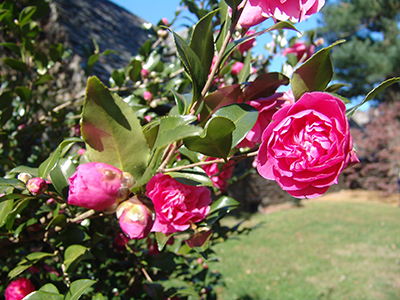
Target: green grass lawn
[[325, 250]]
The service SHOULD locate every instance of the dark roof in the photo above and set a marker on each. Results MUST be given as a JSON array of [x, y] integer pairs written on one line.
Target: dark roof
[[110, 25]]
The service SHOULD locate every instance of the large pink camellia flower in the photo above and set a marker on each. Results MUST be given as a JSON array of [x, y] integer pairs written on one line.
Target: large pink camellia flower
[[94, 186], [266, 108], [307, 145], [18, 289], [256, 11], [177, 205]]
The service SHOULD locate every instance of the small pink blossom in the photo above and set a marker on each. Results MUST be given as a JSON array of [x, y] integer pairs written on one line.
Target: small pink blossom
[[94, 186], [81, 151], [144, 73], [165, 21], [307, 145], [237, 67], [177, 205], [219, 173], [135, 218], [148, 96], [18, 289], [301, 50], [36, 186]]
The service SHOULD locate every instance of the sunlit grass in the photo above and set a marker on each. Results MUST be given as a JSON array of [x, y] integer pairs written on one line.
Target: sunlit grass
[[325, 250]]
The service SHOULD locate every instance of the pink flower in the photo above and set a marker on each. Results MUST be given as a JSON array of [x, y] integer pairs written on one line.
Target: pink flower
[[246, 46], [237, 67], [18, 289], [81, 151], [301, 50], [177, 205], [94, 186], [135, 218], [165, 21], [219, 173], [144, 73], [36, 186], [256, 11], [266, 108], [307, 145], [148, 96]]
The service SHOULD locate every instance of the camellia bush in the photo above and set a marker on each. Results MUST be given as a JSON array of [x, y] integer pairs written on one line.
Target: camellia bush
[[127, 204]]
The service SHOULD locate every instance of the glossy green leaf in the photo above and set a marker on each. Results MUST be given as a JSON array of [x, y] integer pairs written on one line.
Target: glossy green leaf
[[162, 239], [202, 41], [265, 85], [246, 70], [24, 169], [191, 64], [15, 64], [18, 184], [373, 93], [43, 79], [152, 61], [5, 208], [49, 288], [50, 163], [73, 255], [193, 176], [243, 116], [27, 262], [98, 296], [314, 74], [92, 60], [233, 3], [118, 77], [225, 24], [59, 176], [77, 288], [135, 66], [220, 208], [221, 97], [20, 205], [6, 98], [111, 130], [182, 102], [41, 295], [59, 220], [334, 88], [216, 140]]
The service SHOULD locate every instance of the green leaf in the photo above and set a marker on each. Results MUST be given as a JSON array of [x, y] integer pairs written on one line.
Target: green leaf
[[15, 183], [162, 239], [233, 3], [56, 51], [226, 23], [27, 262], [182, 102], [111, 130], [24, 169], [334, 88], [216, 141], [219, 98], [135, 66], [202, 42], [5, 209], [191, 64], [315, 74], [59, 176], [73, 255], [246, 70], [220, 208], [49, 288], [26, 15], [194, 176], [21, 205], [92, 60], [41, 295], [43, 79], [15, 64], [24, 93], [59, 220], [118, 77], [13, 47], [51, 162], [77, 288], [373, 93], [41, 61], [243, 116], [265, 85], [98, 296]]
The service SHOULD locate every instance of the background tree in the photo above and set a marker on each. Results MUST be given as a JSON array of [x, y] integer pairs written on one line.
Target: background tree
[[372, 51]]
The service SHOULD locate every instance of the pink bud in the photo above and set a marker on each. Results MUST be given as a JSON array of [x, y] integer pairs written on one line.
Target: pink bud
[[94, 186], [18, 289], [24, 177], [144, 73], [237, 67], [165, 21], [135, 218], [148, 118], [36, 186], [81, 151], [147, 96]]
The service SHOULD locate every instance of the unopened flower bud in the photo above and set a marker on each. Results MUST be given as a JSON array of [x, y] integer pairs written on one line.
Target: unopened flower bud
[[135, 218], [36, 186], [148, 96], [24, 177], [162, 33], [81, 151], [122, 194], [165, 21], [144, 73], [127, 180]]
